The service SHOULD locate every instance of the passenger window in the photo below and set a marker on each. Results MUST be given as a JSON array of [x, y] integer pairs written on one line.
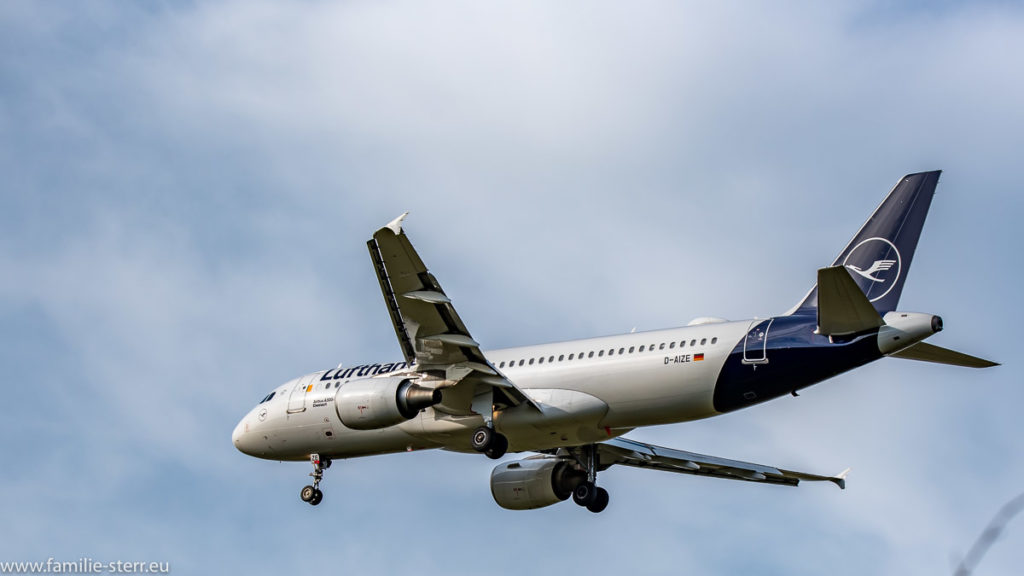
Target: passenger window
[[631, 349], [714, 340], [600, 353], [531, 361], [541, 361], [671, 344], [621, 351], [641, 348], [682, 344], [562, 357], [502, 365], [703, 341], [570, 356], [551, 359], [521, 362], [662, 347], [693, 342], [591, 355]]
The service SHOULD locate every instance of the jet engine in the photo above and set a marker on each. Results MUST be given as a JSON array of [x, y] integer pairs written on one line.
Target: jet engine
[[382, 402], [534, 482]]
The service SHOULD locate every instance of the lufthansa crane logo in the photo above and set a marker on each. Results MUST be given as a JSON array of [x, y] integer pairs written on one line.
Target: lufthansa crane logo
[[878, 266], [878, 261]]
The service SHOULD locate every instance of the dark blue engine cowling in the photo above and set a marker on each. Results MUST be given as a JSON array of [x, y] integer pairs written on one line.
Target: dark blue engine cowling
[[781, 355]]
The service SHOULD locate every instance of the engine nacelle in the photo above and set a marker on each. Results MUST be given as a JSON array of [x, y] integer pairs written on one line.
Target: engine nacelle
[[382, 402], [534, 482]]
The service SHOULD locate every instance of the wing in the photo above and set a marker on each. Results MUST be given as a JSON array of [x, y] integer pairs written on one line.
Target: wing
[[632, 453], [433, 338]]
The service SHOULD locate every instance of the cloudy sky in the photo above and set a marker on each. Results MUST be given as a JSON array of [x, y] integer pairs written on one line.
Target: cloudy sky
[[188, 188]]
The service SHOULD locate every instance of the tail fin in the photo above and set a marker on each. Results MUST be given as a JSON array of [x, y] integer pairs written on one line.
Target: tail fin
[[878, 258]]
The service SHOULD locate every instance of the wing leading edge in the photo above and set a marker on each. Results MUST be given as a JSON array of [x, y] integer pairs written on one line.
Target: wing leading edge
[[640, 455], [433, 338]]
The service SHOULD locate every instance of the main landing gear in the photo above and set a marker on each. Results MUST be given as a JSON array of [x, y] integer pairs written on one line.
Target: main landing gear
[[490, 442], [587, 493], [312, 494]]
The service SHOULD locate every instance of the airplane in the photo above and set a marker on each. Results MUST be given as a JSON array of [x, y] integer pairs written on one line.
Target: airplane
[[570, 403]]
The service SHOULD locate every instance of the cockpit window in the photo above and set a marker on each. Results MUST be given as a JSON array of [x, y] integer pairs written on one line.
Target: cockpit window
[[268, 397]]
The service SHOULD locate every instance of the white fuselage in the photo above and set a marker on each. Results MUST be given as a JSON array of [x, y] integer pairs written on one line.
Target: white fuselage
[[588, 390]]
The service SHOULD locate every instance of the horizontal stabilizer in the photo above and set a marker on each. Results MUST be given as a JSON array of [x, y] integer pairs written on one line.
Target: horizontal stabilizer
[[843, 309], [930, 353]]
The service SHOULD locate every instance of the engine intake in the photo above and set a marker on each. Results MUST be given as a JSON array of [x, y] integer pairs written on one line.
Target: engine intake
[[534, 482], [382, 402]]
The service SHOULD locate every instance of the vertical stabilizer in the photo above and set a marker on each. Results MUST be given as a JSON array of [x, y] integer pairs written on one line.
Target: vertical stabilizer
[[878, 258]]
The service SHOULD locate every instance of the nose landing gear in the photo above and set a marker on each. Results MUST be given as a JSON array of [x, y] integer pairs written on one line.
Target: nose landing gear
[[312, 494]]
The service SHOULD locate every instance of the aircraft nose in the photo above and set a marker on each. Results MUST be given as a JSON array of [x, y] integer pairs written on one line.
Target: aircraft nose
[[238, 436]]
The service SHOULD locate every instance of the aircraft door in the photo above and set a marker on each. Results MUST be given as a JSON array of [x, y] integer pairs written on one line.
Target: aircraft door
[[755, 343], [297, 399]]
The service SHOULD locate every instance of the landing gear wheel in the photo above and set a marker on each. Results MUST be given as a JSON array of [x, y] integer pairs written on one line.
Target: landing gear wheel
[[600, 501], [585, 494], [312, 494], [307, 494], [492, 443], [498, 447], [482, 438]]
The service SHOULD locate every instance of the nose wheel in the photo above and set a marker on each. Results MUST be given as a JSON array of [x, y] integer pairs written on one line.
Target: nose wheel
[[312, 494]]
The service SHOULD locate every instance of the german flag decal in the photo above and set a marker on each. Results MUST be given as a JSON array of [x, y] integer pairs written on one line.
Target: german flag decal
[[698, 357]]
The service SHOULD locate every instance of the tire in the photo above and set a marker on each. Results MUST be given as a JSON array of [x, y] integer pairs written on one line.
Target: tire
[[584, 494], [600, 501], [318, 496], [498, 447], [482, 438], [307, 493]]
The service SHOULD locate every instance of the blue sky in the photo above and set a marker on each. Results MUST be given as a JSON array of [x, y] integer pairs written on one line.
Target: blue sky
[[188, 188]]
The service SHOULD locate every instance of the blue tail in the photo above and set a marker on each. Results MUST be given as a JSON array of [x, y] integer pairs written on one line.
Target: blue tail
[[878, 258]]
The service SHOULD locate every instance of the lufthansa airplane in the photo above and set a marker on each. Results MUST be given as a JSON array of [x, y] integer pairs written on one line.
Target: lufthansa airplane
[[571, 402]]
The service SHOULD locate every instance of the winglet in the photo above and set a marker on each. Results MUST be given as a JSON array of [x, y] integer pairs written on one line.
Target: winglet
[[396, 224], [840, 479]]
